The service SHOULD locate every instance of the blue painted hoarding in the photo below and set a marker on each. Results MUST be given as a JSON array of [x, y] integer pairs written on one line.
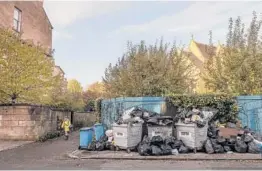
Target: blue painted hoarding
[[111, 109], [250, 109], [250, 112]]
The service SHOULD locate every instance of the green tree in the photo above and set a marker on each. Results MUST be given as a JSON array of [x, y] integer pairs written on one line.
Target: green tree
[[93, 92], [149, 70], [59, 94], [237, 68], [25, 72], [74, 86], [74, 95]]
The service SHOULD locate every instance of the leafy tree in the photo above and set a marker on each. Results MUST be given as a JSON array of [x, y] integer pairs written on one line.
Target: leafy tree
[[149, 70], [59, 95], [25, 72], [93, 92], [74, 95], [74, 86], [237, 68], [96, 90]]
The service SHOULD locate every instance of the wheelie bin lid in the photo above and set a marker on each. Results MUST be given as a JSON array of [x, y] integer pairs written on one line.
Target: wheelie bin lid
[[85, 129], [98, 124]]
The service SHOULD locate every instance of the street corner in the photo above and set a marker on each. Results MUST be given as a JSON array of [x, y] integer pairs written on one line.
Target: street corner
[[8, 145]]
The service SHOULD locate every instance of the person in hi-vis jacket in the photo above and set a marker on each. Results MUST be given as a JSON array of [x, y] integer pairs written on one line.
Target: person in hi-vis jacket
[[66, 126]]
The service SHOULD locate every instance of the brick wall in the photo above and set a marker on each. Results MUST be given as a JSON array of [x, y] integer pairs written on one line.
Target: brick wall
[[35, 24], [25, 122]]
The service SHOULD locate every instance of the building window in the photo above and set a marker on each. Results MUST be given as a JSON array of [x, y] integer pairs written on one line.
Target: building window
[[17, 19]]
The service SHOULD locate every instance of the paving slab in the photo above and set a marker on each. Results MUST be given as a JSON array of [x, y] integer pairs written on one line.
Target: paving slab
[[7, 145], [122, 155]]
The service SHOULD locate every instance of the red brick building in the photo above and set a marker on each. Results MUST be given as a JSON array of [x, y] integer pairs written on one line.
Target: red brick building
[[30, 19]]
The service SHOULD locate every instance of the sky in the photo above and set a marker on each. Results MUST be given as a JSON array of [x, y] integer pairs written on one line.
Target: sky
[[88, 35]]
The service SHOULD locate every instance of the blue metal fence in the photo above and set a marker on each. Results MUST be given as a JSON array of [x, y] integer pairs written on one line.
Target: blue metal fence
[[250, 111], [111, 109]]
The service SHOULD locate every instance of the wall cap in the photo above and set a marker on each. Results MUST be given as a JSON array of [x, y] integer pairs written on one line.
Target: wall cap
[[34, 105]]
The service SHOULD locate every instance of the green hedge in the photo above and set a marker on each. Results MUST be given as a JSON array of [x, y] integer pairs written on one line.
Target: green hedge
[[226, 104]]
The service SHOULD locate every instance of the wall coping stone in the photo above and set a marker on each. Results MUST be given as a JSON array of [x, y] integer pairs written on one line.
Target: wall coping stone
[[34, 105]]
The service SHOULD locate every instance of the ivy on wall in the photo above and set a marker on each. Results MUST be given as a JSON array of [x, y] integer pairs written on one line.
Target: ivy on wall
[[98, 107]]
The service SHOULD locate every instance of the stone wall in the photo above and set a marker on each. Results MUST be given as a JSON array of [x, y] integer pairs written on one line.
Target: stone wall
[[27, 122], [84, 119]]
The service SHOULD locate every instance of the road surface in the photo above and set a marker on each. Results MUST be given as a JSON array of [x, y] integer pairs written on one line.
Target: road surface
[[52, 155]]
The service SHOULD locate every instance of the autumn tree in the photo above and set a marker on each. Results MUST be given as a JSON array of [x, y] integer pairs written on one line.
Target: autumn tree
[[74, 86], [58, 96], [237, 68], [74, 95], [25, 71], [93, 92], [149, 70]]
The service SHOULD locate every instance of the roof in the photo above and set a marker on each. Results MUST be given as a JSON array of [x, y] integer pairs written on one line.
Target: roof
[[204, 49], [194, 59], [60, 69]]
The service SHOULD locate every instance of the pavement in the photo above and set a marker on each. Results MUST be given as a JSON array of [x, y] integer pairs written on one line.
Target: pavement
[[6, 145], [53, 155]]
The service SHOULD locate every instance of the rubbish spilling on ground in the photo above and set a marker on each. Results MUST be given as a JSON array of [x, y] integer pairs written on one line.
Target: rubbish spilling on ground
[[191, 130], [158, 146]]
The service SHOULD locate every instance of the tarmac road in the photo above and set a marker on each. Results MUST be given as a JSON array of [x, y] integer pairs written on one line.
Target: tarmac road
[[52, 155]]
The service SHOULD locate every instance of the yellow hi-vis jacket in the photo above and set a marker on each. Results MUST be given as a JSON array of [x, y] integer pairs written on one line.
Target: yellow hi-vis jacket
[[66, 125]]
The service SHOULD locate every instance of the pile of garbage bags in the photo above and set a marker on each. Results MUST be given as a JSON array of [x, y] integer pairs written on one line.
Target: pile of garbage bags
[[194, 115], [246, 142], [135, 115], [160, 120], [106, 142], [242, 143], [100, 145], [157, 146]]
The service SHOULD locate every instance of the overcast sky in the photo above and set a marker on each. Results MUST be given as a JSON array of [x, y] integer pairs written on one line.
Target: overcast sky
[[88, 35]]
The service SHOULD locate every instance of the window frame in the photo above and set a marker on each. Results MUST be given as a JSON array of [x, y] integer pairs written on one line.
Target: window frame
[[18, 26]]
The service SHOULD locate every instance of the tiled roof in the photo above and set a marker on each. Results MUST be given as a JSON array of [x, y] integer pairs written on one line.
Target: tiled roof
[[204, 49], [194, 59]]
